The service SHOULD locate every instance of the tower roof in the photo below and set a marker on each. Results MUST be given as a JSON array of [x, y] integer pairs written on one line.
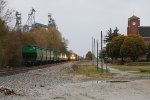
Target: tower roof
[[134, 17]]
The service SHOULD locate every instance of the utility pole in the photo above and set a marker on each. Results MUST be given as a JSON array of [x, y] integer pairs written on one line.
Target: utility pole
[[101, 52], [97, 55], [92, 52], [94, 49]]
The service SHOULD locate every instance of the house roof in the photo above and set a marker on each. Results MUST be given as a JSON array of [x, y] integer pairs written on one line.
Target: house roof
[[144, 31]]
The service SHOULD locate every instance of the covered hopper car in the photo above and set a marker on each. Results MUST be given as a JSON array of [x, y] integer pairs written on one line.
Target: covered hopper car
[[34, 55]]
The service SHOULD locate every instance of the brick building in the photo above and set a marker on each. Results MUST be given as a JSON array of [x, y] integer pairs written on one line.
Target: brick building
[[135, 28]]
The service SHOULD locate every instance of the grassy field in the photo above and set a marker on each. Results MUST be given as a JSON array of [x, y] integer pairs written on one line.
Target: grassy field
[[133, 69], [89, 70]]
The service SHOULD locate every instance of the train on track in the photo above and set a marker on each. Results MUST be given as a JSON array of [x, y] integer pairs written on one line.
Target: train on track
[[34, 55]]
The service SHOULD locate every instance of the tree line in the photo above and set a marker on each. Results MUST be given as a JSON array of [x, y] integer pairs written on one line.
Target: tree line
[[120, 46], [124, 48], [11, 42]]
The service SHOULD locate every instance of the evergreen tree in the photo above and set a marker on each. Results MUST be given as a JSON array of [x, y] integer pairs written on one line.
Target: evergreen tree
[[110, 35], [108, 38]]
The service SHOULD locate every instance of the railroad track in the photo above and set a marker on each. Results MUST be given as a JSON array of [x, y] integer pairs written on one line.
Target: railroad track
[[17, 70]]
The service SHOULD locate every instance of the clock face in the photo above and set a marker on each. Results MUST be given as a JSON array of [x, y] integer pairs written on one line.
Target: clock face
[[133, 23]]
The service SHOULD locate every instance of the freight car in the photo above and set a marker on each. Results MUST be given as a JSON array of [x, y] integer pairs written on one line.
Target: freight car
[[34, 55]]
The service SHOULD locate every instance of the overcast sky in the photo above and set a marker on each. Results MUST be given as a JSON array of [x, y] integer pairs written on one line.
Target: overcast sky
[[79, 20]]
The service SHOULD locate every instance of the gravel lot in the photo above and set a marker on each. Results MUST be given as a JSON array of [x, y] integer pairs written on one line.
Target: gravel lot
[[52, 83]]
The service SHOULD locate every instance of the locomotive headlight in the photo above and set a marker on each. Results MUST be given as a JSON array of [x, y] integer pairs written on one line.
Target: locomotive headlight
[[73, 57]]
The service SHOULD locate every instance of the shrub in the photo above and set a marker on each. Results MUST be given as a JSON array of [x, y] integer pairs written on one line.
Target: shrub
[[75, 67]]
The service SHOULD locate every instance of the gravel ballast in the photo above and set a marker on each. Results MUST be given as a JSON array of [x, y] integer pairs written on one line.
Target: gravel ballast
[[52, 83]]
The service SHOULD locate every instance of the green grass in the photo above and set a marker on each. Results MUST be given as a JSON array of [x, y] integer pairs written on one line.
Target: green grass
[[139, 64], [137, 69], [90, 70], [142, 73], [131, 68]]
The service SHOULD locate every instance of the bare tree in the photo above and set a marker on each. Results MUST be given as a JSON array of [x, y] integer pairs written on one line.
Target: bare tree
[[5, 14]]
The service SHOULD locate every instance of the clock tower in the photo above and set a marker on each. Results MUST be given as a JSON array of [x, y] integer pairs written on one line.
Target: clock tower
[[133, 25]]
